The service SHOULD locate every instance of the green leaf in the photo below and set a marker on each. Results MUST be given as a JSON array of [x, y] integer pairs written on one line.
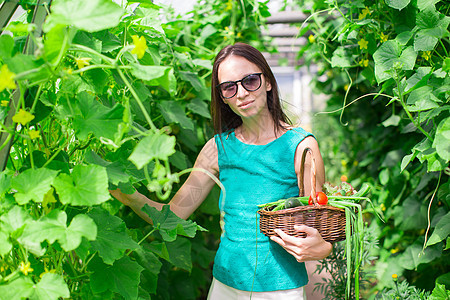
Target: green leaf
[[6, 46], [180, 253], [51, 287], [112, 238], [393, 120], [32, 184], [418, 79], [32, 68], [20, 288], [406, 160], [153, 146], [440, 293], [446, 65], [53, 227], [340, 58], [156, 76], [148, 260], [173, 112], [96, 118], [390, 54], [116, 170], [150, 18], [122, 277], [159, 249], [423, 4], [444, 279], [5, 245], [90, 16], [422, 99], [149, 73], [5, 182], [199, 107], [413, 256], [398, 4], [169, 224], [14, 219], [57, 42], [87, 185], [441, 231], [431, 26], [442, 139], [193, 79]]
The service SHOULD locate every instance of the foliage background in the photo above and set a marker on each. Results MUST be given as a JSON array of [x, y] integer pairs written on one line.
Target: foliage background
[[384, 66], [117, 99], [102, 109]]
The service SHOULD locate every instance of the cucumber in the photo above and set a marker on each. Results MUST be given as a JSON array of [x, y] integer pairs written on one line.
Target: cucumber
[[292, 202]]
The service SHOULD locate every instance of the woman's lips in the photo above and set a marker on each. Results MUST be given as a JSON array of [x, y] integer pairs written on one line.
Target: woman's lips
[[245, 104]]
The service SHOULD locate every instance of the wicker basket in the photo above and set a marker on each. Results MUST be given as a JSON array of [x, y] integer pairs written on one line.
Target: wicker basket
[[328, 220]]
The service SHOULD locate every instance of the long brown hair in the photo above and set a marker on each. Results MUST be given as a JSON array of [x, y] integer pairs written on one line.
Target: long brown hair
[[224, 118]]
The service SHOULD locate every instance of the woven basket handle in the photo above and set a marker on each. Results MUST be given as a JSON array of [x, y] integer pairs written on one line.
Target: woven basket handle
[[313, 175]]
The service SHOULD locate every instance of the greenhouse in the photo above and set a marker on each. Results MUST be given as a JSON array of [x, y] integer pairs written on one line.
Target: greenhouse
[[239, 149]]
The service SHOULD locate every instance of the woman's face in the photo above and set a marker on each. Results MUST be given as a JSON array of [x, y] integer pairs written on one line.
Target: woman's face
[[246, 104]]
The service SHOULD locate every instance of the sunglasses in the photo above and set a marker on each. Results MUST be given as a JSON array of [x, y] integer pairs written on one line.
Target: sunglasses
[[251, 83]]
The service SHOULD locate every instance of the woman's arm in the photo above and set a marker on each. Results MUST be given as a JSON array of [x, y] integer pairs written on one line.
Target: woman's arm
[[191, 194], [313, 246]]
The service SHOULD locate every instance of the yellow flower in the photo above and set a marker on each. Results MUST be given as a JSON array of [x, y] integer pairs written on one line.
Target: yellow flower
[[6, 78], [426, 55], [23, 117], [383, 37], [383, 208], [5, 103], [363, 44], [311, 38], [394, 276], [361, 16], [343, 161], [34, 134], [346, 88], [395, 250], [239, 35], [25, 268], [229, 5], [140, 45], [364, 13], [47, 271], [82, 62], [364, 62]]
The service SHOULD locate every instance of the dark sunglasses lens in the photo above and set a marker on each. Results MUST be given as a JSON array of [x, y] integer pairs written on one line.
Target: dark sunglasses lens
[[252, 82], [228, 89]]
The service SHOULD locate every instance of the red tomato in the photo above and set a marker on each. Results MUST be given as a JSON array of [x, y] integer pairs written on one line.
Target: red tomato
[[322, 199]]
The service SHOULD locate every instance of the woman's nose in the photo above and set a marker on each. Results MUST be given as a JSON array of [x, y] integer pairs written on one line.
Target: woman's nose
[[241, 91]]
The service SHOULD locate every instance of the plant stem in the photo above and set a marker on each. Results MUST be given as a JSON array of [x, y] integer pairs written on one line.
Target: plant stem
[[428, 213], [408, 113], [138, 100]]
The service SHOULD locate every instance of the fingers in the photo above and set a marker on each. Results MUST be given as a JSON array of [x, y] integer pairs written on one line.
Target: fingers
[[306, 229]]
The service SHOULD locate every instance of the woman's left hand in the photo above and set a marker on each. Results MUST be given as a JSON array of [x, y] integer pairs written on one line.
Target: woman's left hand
[[311, 247]]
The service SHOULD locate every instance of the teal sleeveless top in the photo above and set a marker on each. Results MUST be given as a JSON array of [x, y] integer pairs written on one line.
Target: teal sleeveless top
[[252, 175]]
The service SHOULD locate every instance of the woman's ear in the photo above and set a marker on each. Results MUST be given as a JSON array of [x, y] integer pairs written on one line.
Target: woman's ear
[[268, 86]]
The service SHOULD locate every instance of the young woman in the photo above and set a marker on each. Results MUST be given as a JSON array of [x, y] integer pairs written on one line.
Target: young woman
[[256, 155]]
